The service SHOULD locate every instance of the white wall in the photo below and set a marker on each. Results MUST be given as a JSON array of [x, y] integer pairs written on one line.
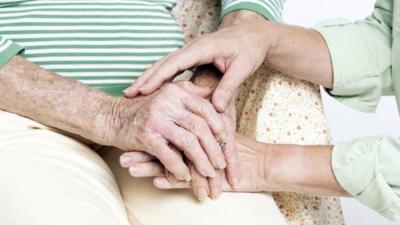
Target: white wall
[[347, 124]]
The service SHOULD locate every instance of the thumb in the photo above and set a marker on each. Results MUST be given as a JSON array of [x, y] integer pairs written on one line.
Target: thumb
[[227, 87]]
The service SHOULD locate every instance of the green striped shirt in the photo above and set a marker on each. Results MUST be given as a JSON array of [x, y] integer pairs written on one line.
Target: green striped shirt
[[106, 44]]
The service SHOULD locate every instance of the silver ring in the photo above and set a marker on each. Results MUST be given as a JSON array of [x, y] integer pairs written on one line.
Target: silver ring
[[222, 144]]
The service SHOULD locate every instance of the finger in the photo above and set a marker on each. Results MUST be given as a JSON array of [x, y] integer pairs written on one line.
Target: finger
[[188, 143], [231, 155], [171, 178], [128, 158], [215, 185], [148, 169], [201, 128], [133, 90], [163, 183], [199, 184], [228, 85], [172, 161], [186, 58], [232, 168], [205, 110]]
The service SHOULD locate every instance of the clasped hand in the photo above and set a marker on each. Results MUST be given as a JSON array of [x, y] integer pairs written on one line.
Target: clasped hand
[[178, 126]]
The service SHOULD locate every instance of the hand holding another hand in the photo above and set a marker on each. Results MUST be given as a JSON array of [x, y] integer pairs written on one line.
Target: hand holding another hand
[[166, 123], [252, 161], [237, 49]]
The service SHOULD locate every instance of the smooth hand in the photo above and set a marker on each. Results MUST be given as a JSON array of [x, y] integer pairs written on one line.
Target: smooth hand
[[237, 49]]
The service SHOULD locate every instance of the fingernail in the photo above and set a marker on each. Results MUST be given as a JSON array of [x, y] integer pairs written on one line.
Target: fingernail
[[161, 184], [124, 160], [235, 182], [126, 90], [221, 163], [202, 194], [188, 177]]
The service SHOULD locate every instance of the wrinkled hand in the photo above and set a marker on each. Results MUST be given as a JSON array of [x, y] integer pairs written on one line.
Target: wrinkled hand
[[208, 76], [252, 161], [167, 122], [237, 50]]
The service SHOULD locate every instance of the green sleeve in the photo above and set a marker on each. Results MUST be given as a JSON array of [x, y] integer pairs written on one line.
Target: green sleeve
[[369, 169], [361, 57], [8, 49], [270, 9]]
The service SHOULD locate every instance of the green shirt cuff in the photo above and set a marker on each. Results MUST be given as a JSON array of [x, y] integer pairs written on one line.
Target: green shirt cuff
[[359, 167], [269, 12], [10, 51]]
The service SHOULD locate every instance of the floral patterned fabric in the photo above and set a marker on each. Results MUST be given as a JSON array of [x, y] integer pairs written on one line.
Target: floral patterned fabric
[[273, 108]]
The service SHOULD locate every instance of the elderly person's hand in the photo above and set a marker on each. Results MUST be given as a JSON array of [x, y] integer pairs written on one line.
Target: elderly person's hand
[[206, 77], [237, 49], [170, 119], [252, 160], [263, 168]]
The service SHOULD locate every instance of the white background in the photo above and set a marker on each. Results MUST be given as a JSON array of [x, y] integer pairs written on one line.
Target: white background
[[347, 124]]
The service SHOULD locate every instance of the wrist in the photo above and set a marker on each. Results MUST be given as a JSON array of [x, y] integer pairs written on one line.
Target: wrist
[[240, 17], [111, 116], [279, 174]]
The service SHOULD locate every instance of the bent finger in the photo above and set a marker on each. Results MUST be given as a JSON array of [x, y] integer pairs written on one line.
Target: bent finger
[[215, 185], [228, 85], [186, 58], [199, 184], [133, 90], [201, 128], [189, 144], [170, 159]]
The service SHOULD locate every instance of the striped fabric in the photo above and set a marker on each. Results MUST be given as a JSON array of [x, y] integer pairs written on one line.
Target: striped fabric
[[106, 44], [270, 9]]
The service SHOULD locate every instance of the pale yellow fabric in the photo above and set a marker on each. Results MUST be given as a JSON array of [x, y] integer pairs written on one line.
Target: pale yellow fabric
[[47, 178], [179, 207]]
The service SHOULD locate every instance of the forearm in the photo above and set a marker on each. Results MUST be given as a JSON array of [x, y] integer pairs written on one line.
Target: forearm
[[301, 169], [299, 52], [33, 92]]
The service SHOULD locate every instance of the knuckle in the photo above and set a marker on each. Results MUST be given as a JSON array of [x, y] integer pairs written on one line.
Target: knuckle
[[200, 126], [188, 141], [228, 89], [169, 158], [205, 106], [218, 127], [170, 87], [154, 147], [184, 84]]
